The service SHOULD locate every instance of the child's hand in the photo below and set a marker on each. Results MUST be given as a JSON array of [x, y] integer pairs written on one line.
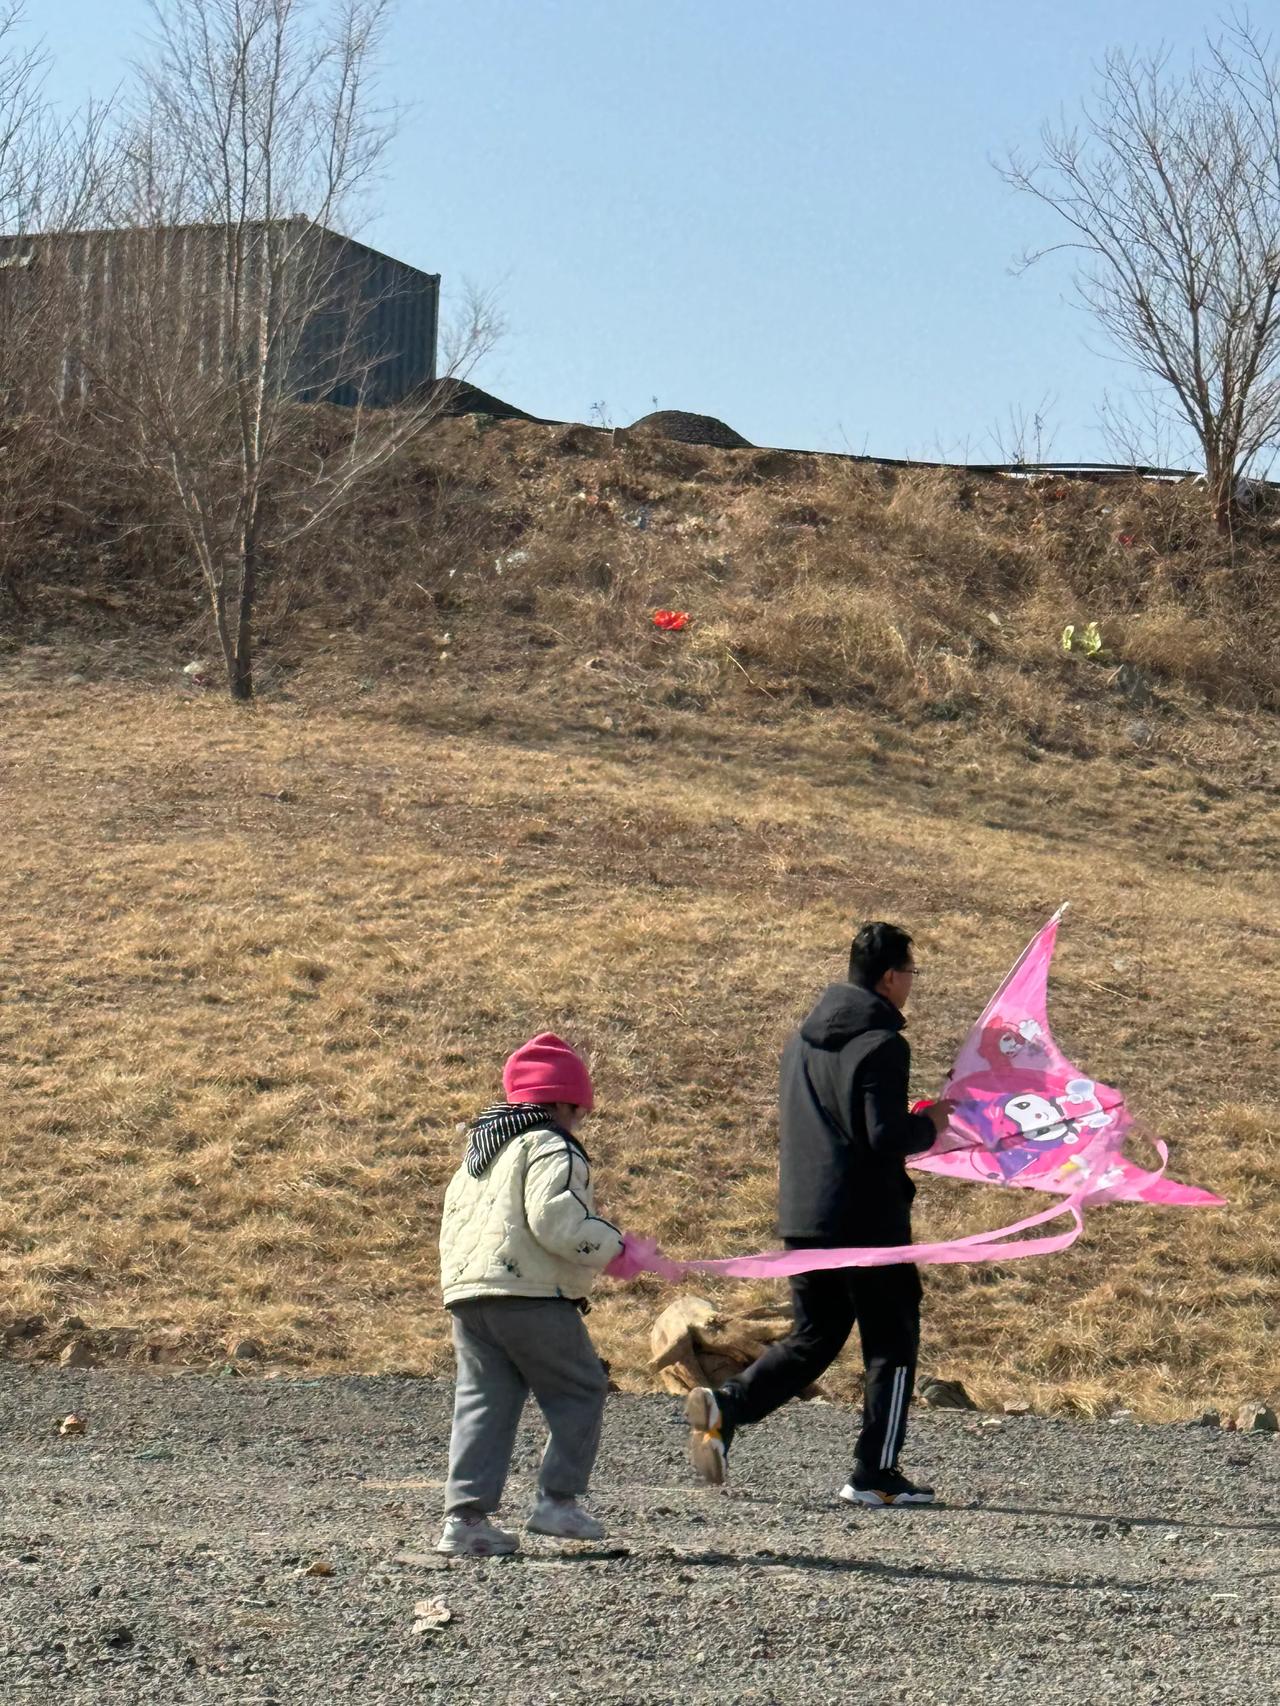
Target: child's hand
[[635, 1257]]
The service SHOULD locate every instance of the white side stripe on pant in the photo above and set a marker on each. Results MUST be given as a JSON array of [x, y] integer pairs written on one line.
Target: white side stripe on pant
[[897, 1403]]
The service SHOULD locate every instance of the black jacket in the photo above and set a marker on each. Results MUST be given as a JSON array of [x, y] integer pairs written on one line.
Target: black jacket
[[844, 1128]]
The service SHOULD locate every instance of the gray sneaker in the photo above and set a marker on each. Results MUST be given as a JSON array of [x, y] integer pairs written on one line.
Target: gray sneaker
[[564, 1519], [468, 1534]]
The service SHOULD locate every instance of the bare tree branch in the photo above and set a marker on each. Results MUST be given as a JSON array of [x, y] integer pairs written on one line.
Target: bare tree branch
[[1171, 188], [52, 172]]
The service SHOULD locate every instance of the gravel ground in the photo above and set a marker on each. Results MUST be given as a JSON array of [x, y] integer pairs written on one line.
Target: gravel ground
[[161, 1558]]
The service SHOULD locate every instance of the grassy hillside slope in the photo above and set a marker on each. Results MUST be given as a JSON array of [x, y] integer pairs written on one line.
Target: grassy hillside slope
[[260, 964]]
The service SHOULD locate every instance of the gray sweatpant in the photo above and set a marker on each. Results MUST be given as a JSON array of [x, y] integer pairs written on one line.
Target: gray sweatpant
[[505, 1350]]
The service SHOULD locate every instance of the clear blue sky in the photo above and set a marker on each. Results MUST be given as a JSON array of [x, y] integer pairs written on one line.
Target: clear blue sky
[[779, 213]]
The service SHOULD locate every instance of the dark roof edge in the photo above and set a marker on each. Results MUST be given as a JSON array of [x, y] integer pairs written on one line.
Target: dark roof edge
[[210, 225]]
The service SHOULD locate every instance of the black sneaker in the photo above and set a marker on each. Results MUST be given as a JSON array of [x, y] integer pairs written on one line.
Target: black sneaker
[[884, 1487], [710, 1435]]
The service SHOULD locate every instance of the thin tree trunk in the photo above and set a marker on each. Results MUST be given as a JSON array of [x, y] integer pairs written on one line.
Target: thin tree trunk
[[242, 673], [218, 600], [1222, 484]]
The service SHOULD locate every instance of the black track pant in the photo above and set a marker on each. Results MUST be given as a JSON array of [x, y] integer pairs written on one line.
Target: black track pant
[[885, 1303]]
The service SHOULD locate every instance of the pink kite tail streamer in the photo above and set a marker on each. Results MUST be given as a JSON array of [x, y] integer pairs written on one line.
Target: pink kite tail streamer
[[998, 1245]]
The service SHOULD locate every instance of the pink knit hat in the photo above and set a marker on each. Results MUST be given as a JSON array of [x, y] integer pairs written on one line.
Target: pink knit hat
[[547, 1070]]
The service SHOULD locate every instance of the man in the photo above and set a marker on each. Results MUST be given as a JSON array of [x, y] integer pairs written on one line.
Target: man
[[844, 1134]]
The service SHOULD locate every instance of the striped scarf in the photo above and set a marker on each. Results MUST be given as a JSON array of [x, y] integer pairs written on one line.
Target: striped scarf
[[490, 1132]]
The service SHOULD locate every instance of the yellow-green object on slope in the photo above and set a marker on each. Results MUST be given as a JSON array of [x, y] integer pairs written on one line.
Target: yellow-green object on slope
[[1087, 640]]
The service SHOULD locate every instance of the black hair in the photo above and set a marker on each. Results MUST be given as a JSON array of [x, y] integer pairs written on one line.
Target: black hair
[[877, 948]]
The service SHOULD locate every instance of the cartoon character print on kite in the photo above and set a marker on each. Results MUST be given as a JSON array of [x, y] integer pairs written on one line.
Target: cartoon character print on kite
[[1030, 1124], [1012, 1042], [1038, 1129]]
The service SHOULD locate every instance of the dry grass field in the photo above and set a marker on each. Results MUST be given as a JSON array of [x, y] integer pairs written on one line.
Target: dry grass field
[[259, 963]]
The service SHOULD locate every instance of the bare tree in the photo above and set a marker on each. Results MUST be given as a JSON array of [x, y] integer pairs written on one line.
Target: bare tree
[[256, 140], [49, 167], [51, 174], [1171, 186]]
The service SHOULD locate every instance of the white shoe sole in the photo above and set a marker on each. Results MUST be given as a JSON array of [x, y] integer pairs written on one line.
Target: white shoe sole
[[478, 1551], [882, 1501], [706, 1449], [543, 1521]]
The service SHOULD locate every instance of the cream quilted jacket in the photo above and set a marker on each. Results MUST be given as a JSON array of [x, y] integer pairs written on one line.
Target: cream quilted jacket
[[527, 1227]]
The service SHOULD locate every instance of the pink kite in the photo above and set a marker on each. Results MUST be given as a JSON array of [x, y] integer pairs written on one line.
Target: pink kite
[[1025, 1115]]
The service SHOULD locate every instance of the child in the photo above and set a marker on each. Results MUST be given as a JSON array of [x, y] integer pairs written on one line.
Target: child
[[520, 1247]]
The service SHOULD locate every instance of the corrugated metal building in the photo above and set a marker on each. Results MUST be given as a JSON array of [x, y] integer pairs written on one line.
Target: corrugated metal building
[[348, 324]]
